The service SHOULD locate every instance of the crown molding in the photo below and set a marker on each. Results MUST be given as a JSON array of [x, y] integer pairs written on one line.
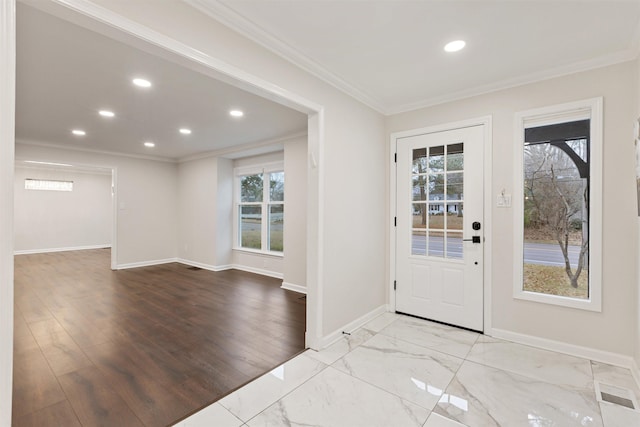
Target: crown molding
[[603, 61], [93, 151], [247, 28]]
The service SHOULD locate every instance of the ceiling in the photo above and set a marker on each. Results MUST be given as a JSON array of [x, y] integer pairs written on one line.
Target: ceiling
[[67, 73], [389, 53]]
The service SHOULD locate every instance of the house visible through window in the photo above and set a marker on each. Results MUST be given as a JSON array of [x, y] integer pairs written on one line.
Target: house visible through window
[[260, 210], [48, 185]]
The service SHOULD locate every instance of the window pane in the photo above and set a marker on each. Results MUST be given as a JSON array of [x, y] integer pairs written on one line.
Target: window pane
[[420, 189], [454, 245], [276, 225], [436, 243], [436, 187], [276, 186], [418, 242], [454, 186], [419, 215], [250, 227], [436, 159], [251, 188], [556, 209], [455, 157], [454, 216], [420, 160]]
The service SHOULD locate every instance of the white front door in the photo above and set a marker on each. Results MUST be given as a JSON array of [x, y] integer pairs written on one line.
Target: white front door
[[440, 233]]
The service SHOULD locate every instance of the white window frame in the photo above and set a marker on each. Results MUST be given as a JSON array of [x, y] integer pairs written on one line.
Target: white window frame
[[264, 169], [580, 110]]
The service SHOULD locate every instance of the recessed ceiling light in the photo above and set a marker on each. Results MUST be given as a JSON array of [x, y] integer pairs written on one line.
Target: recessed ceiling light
[[106, 113], [185, 131], [454, 46], [78, 132], [142, 82], [149, 144], [236, 113]]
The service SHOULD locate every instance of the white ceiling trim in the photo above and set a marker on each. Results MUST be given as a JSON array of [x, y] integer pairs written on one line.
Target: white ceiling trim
[[249, 29], [91, 150], [603, 61], [240, 148], [229, 17]]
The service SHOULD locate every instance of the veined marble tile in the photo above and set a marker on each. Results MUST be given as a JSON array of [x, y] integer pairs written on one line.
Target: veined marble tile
[[335, 399], [618, 416], [381, 322], [484, 396], [532, 362], [412, 372], [247, 402], [437, 420], [453, 341], [615, 375], [212, 415], [341, 347]]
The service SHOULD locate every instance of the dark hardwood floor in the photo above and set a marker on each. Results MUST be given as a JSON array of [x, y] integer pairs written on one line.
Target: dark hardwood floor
[[140, 347]]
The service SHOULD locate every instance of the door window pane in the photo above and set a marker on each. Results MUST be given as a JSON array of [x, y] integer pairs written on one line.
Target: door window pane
[[420, 189], [251, 188], [436, 187], [276, 223], [455, 157], [250, 227], [418, 242], [436, 159], [455, 186], [420, 160], [436, 243], [454, 245], [419, 215]]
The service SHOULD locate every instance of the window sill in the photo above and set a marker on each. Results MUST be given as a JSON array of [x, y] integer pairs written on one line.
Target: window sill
[[259, 252], [582, 304]]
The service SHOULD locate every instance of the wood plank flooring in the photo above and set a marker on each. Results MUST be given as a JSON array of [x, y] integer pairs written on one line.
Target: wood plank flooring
[[140, 347]]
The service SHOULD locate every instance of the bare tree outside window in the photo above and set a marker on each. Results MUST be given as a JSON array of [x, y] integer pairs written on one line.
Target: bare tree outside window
[[556, 209]]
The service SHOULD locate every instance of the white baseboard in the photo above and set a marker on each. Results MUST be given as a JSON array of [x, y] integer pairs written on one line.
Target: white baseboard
[[145, 263], [205, 266], [570, 349], [257, 271], [293, 287], [334, 336], [72, 248]]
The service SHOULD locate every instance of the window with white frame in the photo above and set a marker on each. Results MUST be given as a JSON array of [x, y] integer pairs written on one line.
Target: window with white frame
[[558, 207], [259, 218]]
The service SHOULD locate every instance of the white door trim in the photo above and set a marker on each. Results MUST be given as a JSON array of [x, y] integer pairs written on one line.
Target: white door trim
[[7, 159], [486, 122]]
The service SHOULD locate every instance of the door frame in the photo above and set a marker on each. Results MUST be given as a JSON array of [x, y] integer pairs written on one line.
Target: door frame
[[486, 122]]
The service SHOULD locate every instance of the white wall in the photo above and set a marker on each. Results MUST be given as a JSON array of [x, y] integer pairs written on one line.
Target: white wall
[[54, 220], [146, 191], [612, 329], [205, 209], [295, 230]]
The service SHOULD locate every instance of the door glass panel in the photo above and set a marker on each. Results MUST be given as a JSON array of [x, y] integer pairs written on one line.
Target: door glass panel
[[436, 187], [419, 215], [420, 160], [420, 189], [454, 216], [454, 245], [438, 175], [419, 242], [455, 186], [436, 159], [436, 243], [455, 157]]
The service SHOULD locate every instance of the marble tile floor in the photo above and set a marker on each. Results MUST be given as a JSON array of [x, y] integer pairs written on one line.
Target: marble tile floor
[[401, 371]]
